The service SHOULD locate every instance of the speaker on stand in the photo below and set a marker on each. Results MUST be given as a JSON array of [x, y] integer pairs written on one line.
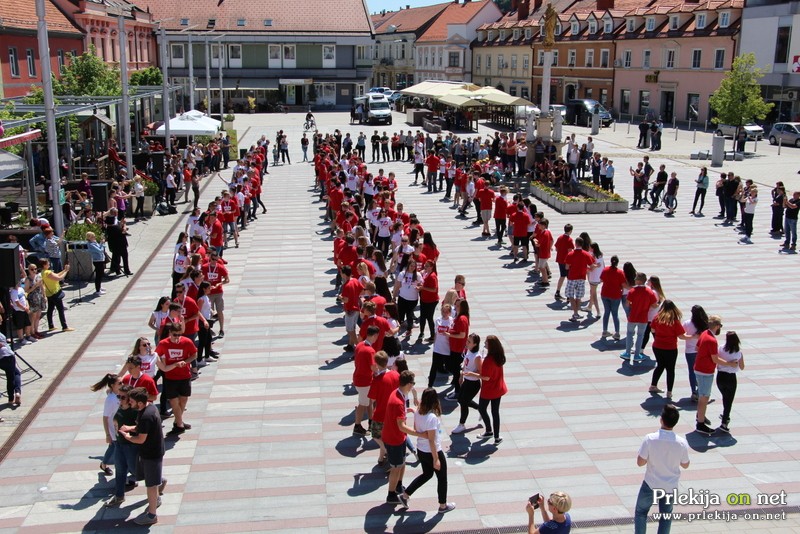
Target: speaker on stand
[[9, 278], [77, 256], [100, 196]]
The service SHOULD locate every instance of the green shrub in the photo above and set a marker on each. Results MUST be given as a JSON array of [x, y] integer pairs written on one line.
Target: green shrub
[[77, 232]]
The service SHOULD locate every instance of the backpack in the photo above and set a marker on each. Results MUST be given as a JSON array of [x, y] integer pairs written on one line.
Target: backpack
[[165, 209]]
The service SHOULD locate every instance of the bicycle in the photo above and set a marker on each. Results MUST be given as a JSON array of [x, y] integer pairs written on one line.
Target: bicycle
[[310, 125]]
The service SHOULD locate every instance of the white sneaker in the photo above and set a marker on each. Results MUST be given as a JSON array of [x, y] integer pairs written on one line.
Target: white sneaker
[[201, 364], [24, 342], [101, 291], [460, 429]]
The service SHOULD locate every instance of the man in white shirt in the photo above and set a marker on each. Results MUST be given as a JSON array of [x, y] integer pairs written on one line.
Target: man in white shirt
[[664, 453]]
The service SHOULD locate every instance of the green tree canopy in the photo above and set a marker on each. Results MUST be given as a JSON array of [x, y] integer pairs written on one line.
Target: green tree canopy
[[148, 76], [87, 74], [738, 99]]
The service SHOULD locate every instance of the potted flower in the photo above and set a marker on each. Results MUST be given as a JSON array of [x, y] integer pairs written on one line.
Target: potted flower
[[251, 104], [77, 253]]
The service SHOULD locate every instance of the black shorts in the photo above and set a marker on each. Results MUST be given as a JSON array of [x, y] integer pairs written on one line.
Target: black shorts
[[521, 241], [21, 319], [396, 454], [177, 388], [562, 269], [149, 470]]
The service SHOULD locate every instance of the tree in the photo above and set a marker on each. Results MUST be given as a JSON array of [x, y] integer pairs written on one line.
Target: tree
[[88, 75], [738, 99], [151, 76]]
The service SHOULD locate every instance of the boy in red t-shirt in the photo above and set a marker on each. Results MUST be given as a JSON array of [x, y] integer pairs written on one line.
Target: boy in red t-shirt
[[578, 262], [364, 363], [384, 383], [394, 432], [544, 242], [640, 299], [564, 245]]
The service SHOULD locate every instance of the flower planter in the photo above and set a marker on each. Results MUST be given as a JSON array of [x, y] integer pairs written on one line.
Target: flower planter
[[617, 206], [600, 206]]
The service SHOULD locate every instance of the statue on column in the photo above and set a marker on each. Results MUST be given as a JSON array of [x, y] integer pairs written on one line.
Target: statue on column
[[550, 17]]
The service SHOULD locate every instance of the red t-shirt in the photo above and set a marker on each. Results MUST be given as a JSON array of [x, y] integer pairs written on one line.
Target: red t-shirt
[[613, 279], [641, 299], [706, 346], [579, 262], [381, 323], [495, 387], [380, 303], [382, 386], [144, 381], [189, 308], [545, 244], [215, 235], [432, 162], [461, 324], [229, 209], [176, 352], [564, 244], [352, 291], [395, 409], [430, 253], [666, 336], [500, 208], [486, 198], [430, 281], [520, 220], [214, 274], [348, 255], [364, 359]]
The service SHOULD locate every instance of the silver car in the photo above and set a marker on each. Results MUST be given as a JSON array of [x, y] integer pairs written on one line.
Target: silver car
[[753, 130], [788, 133]]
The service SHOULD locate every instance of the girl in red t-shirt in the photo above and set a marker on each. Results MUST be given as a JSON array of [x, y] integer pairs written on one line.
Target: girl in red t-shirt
[[667, 329], [493, 387]]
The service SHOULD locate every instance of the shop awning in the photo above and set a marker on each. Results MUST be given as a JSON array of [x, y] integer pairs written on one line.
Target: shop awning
[[458, 101]]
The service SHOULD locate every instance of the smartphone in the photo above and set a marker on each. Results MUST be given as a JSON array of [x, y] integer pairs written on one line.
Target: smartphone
[[534, 500]]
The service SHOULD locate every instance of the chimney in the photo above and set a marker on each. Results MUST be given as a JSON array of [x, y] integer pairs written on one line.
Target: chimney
[[537, 4], [524, 9], [514, 5], [408, 6], [602, 5]]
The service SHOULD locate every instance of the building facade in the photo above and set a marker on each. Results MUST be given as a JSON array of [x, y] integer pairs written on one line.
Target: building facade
[[275, 53], [19, 47], [396, 33], [443, 51]]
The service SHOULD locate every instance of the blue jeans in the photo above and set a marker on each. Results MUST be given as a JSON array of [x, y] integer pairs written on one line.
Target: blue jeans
[[639, 329], [690, 357], [124, 463], [790, 227], [643, 503], [108, 456], [611, 308]]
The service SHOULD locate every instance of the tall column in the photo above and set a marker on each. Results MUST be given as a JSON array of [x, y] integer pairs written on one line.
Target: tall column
[[165, 94], [191, 73], [126, 105], [546, 75], [208, 77], [221, 56]]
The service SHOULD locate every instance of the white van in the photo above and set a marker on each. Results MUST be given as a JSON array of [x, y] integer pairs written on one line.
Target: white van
[[373, 108]]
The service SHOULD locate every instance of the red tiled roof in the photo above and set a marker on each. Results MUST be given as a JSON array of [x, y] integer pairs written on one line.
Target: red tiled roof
[[453, 14], [343, 16], [21, 15], [407, 20]]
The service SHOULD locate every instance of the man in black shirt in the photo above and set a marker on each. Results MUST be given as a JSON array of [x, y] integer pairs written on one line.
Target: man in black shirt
[[792, 206], [658, 187], [376, 147], [148, 435]]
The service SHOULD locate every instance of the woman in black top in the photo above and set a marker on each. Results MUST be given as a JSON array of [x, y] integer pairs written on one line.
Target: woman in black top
[[778, 194]]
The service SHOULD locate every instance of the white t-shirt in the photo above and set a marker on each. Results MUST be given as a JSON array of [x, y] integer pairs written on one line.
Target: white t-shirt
[[385, 227], [423, 423], [408, 285], [149, 364], [691, 344], [595, 272], [205, 307], [441, 343], [470, 363], [728, 357], [110, 407], [664, 451]]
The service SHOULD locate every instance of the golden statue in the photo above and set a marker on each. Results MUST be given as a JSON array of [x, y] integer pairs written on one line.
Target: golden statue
[[550, 17]]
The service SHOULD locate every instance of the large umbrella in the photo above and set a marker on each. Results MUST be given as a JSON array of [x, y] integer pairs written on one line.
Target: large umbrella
[[459, 101], [191, 123]]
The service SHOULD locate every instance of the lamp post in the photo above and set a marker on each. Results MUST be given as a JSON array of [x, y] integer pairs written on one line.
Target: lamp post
[[126, 111], [50, 117], [190, 57], [165, 93], [221, 48]]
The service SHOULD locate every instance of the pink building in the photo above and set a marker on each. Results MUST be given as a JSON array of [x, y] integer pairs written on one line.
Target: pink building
[[671, 57]]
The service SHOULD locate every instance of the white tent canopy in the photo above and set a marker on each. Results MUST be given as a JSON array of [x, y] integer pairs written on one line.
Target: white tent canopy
[[191, 123]]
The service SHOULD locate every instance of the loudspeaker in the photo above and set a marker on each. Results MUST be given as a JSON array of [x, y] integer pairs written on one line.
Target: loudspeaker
[[9, 265], [158, 162], [100, 196]]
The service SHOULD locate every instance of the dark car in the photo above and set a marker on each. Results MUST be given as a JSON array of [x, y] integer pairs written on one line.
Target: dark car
[[580, 110]]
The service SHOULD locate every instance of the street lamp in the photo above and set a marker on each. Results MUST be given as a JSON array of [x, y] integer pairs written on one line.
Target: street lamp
[[191, 65]]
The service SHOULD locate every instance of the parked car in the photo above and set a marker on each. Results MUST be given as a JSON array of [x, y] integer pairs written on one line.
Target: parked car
[[378, 89], [522, 112], [579, 111], [754, 131], [560, 109], [788, 133], [395, 96]]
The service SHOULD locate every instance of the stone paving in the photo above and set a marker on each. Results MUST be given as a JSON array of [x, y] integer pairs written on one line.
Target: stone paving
[[270, 447]]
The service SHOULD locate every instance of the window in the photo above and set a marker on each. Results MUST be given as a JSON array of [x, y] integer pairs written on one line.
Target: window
[[61, 62], [700, 21], [211, 24], [651, 23], [453, 59], [696, 54], [592, 27], [644, 102], [328, 56], [719, 58], [241, 22], [555, 58], [477, 62], [440, 57], [604, 55], [673, 23], [502, 35], [558, 28], [724, 19], [267, 22], [177, 51], [631, 25], [516, 34], [604, 97], [289, 57], [13, 61], [361, 52], [576, 28], [571, 58], [646, 59], [501, 62], [513, 61], [525, 93], [625, 101], [184, 22], [782, 44], [540, 58], [31, 62], [626, 59], [609, 26], [587, 92], [512, 90], [526, 62], [692, 106], [590, 58], [488, 62], [669, 59], [235, 56], [528, 33]]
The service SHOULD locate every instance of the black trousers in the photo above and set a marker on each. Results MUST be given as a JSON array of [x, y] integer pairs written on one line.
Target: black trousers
[[13, 378], [500, 228], [426, 311], [171, 195], [665, 361], [469, 389], [747, 219], [56, 302], [454, 368], [426, 462], [405, 308], [438, 365], [99, 269], [204, 341], [699, 194], [139, 211], [726, 383], [487, 423], [777, 219]]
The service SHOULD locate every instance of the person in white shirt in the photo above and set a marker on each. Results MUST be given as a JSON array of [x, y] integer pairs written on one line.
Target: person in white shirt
[[441, 344], [664, 453], [726, 376]]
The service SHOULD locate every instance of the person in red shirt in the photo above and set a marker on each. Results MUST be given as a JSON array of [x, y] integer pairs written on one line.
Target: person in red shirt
[[384, 383], [394, 433], [500, 214], [216, 274], [704, 367], [544, 243], [370, 317], [520, 221], [564, 245], [216, 236], [428, 299], [667, 329], [486, 198], [432, 165], [458, 342], [613, 279], [230, 210], [350, 297], [493, 388], [175, 355], [364, 360], [640, 300], [480, 184], [578, 262], [369, 295], [136, 378]]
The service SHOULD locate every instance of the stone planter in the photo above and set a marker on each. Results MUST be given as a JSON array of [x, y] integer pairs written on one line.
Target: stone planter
[[600, 206], [617, 206], [570, 207]]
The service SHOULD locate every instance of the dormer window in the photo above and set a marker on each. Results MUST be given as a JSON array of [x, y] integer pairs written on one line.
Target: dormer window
[[724, 19], [631, 25], [241, 22], [609, 26], [558, 28], [528, 33], [592, 27], [651, 23], [184, 22], [267, 22], [502, 35], [211, 24], [674, 22], [700, 21], [576, 28], [516, 34], [490, 35]]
